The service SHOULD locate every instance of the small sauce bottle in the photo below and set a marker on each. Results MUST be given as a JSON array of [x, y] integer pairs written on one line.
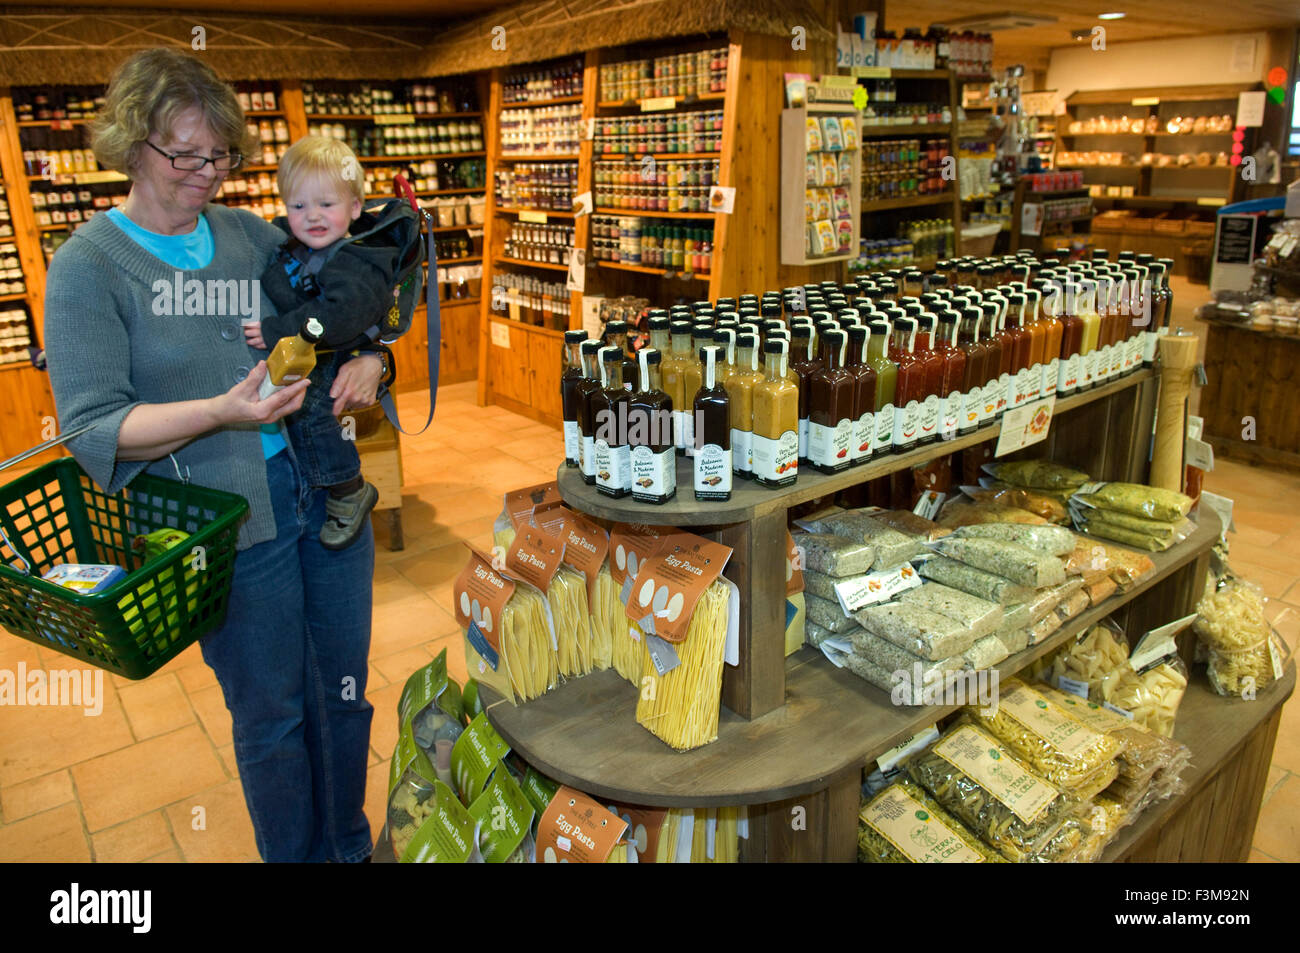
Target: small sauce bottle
[[909, 392], [692, 377], [929, 420], [725, 338], [650, 435], [1052, 344], [804, 365], [1021, 347], [864, 394], [292, 358], [585, 391], [609, 407], [713, 439], [1085, 307], [954, 369], [886, 385], [672, 369], [830, 409], [616, 336], [1033, 382], [1071, 342], [994, 390], [974, 376], [740, 389], [570, 378]]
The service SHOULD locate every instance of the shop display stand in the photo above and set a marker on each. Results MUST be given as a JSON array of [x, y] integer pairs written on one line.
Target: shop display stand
[[795, 732], [794, 183], [1077, 226]]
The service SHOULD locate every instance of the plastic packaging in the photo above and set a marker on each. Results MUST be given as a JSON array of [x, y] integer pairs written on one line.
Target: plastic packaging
[[1091, 666], [1045, 540], [903, 824], [956, 513], [1153, 696], [1039, 504], [1036, 474], [834, 555], [819, 584], [1072, 605], [985, 653], [1065, 845], [1244, 654], [1014, 640], [827, 614], [1009, 560], [1100, 591], [977, 582], [891, 658], [1097, 525], [916, 629], [1136, 499], [909, 524], [980, 616], [1045, 601], [892, 547]]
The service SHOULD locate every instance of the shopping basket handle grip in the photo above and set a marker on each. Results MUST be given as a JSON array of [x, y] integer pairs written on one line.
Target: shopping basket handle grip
[[47, 445]]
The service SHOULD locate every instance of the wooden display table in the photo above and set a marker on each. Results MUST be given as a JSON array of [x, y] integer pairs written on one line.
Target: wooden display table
[[381, 464]]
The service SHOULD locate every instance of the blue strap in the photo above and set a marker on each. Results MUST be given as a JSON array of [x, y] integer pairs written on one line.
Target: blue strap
[[433, 317]]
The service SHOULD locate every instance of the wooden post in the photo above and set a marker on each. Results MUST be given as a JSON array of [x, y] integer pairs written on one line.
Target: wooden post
[[1177, 357]]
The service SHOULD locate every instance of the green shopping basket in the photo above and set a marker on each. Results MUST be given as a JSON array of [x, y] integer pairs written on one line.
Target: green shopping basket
[[56, 514]]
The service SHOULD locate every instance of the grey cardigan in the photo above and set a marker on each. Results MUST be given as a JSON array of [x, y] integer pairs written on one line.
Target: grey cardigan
[[113, 340]]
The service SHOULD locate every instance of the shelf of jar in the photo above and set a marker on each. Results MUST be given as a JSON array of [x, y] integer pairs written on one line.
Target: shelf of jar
[[554, 101], [452, 228], [257, 168], [940, 198], [678, 101], [533, 328], [648, 214], [423, 157], [658, 272], [51, 123], [448, 262], [502, 259], [16, 365], [509, 210], [638, 156], [545, 157], [263, 113], [428, 193], [382, 118], [903, 128]]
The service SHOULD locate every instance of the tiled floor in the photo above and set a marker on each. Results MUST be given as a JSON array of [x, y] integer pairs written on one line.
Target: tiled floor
[[153, 777]]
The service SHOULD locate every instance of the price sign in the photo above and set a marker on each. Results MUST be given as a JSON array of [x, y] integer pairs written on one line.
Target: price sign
[[1024, 426]]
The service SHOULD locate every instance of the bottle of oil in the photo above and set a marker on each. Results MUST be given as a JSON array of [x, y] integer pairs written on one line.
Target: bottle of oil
[[712, 432], [570, 378], [292, 359], [650, 434], [586, 389], [609, 413]]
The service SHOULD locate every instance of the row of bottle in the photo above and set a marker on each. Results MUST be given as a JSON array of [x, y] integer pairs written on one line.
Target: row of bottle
[[544, 130], [15, 336], [676, 74], [550, 244], [6, 221], [80, 102], [539, 85], [400, 99], [529, 299], [537, 185], [11, 269]]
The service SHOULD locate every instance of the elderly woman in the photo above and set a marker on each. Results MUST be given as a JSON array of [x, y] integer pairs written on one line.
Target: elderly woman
[[160, 364]]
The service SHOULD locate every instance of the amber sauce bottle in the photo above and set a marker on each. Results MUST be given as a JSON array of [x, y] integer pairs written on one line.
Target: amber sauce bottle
[[650, 434], [713, 437], [609, 407], [585, 391], [864, 394], [570, 378]]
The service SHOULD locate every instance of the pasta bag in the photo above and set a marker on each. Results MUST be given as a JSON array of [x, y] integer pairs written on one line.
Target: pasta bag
[[517, 510], [534, 559], [432, 708], [1091, 666], [689, 615], [645, 828], [448, 835], [410, 792], [504, 817], [1244, 654], [475, 757], [1152, 687], [630, 546], [577, 830], [586, 545], [903, 824]]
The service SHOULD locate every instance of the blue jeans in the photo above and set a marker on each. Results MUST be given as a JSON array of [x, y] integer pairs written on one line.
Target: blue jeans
[[325, 457], [291, 661]]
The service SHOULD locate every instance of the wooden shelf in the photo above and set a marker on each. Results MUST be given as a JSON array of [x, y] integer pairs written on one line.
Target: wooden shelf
[[544, 211], [681, 101], [18, 296], [424, 157], [451, 228], [263, 113], [551, 157], [1080, 135], [750, 501], [646, 270], [585, 733], [638, 156], [556, 101], [51, 123], [257, 168], [643, 213], [452, 262], [381, 117], [427, 193], [903, 129], [942, 198], [16, 365], [530, 264]]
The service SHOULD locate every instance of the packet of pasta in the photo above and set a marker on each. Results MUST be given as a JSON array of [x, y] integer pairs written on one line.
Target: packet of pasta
[[505, 818], [576, 830], [1152, 687], [1244, 655], [483, 598], [1039, 504], [1091, 666], [410, 791], [903, 824], [431, 706], [1036, 474], [630, 545], [475, 757], [447, 834], [1135, 499], [956, 514], [586, 544], [517, 509]]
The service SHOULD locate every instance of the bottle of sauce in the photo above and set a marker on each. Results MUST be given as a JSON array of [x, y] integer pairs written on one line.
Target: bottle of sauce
[[930, 418], [740, 389], [804, 364], [673, 369], [1085, 298], [886, 386], [864, 394], [1022, 342], [570, 378], [1071, 371], [830, 409], [616, 336], [1156, 291], [1033, 382], [725, 338], [609, 408], [1052, 344], [292, 358], [976, 372], [650, 434], [776, 420], [586, 390], [692, 377], [954, 370], [909, 391], [994, 389], [713, 440]]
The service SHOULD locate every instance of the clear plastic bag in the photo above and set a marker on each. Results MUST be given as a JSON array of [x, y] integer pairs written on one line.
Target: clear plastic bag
[[827, 614], [833, 555], [918, 630], [935, 836], [1092, 665], [977, 582], [956, 514], [892, 547], [1045, 540], [1039, 504], [1153, 696], [980, 616], [1135, 499], [1036, 474], [1244, 654], [1021, 565]]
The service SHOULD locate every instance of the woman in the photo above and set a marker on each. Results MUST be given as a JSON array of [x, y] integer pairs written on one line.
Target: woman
[[160, 363]]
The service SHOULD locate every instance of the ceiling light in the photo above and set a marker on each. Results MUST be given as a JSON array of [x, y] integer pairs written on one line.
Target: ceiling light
[[1111, 16]]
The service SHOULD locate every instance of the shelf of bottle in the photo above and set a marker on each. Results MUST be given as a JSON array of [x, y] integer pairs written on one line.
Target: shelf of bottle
[[680, 101], [554, 101], [644, 213], [449, 262], [523, 262], [398, 160], [544, 157], [431, 192], [508, 210], [903, 128], [17, 296], [657, 272], [383, 117], [263, 113], [257, 168], [915, 201], [638, 156], [51, 123], [56, 226], [452, 228]]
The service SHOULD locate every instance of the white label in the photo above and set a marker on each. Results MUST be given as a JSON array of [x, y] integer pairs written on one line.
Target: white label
[[1072, 687], [1148, 346], [803, 438], [972, 407], [1222, 507], [679, 429], [1051, 377], [572, 440], [582, 204], [776, 462], [929, 418], [1003, 390], [742, 450], [864, 435], [1116, 360], [1158, 643], [662, 655], [951, 410], [588, 458], [712, 473], [1023, 426], [654, 475], [1067, 376], [1199, 454], [859, 591], [501, 335], [830, 446], [613, 466], [884, 428], [989, 394], [688, 432], [722, 199], [1034, 382], [906, 421], [1089, 369], [921, 739]]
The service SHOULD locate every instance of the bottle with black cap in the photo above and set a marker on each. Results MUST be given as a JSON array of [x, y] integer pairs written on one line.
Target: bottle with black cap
[[650, 435], [609, 407], [712, 413], [570, 377], [585, 391]]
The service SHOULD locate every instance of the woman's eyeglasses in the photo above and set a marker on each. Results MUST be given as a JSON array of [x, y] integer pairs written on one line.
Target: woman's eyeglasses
[[191, 163]]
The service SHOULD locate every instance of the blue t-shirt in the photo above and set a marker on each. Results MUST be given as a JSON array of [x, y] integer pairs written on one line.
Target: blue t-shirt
[[188, 252]]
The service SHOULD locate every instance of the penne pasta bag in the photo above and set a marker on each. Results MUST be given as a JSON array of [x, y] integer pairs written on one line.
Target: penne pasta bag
[[630, 545], [903, 824], [690, 617], [576, 830]]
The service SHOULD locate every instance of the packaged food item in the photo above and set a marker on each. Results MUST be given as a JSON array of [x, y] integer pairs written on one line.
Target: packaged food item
[[1044, 627], [475, 756], [624, 637], [955, 514], [977, 582], [833, 555], [819, 520], [981, 783], [572, 811], [832, 134], [844, 233], [813, 136], [893, 659], [410, 792], [1100, 591], [1059, 748], [829, 173], [823, 237], [810, 196], [813, 169], [1152, 693], [1095, 523], [846, 165], [842, 202], [1092, 664], [980, 616], [1145, 752], [825, 207], [1009, 560], [1039, 504], [567, 597], [815, 634], [1046, 540], [900, 684], [892, 547], [903, 824], [586, 546], [445, 834], [849, 130], [1036, 474], [630, 547], [827, 614], [431, 708], [909, 524], [1244, 654], [504, 818], [1135, 499], [916, 629], [1157, 529], [985, 653], [1016, 616], [1014, 640], [819, 584], [1072, 605]]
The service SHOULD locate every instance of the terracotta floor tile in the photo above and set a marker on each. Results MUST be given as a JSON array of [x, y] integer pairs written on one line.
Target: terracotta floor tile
[[195, 678], [56, 836], [1252, 535], [137, 839], [213, 714], [32, 797], [1278, 831], [434, 566], [1276, 776], [172, 856], [375, 758], [156, 706], [377, 799], [384, 727], [1286, 750], [1275, 582], [145, 776], [399, 666], [408, 623], [14, 649], [1286, 619], [546, 448], [1257, 856], [225, 832], [227, 755]]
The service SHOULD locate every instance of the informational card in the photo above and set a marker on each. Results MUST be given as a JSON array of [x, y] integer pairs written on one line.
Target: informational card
[[1024, 426], [1221, 506], [577, 270], [1250, 108], [722, 199], [582, 204]]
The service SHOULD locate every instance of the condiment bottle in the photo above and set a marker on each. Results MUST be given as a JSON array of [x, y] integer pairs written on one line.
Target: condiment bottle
[[783, 336], [1160, 296], [650, 434], [740, 389], [1085, 306], [1052, 344], [1021, 346], [930, 417], [609, 407], [692, 377], [292, 358], [725, 338], [673, 370], [804, 365], [886, 385], [830, 409], [713, 439], [954, 368], [570, 377], [1071, 371], [994, 389], [586, 390], [975, 374], [1033, 384], [616, 336], [864, 394], [909, 392]]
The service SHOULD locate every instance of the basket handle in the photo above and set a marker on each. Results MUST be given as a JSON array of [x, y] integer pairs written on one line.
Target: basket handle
[[47, 445]]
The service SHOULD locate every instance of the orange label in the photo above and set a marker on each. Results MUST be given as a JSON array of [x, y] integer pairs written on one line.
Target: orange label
[[551, 516], [630, 545], [670, 583], [480, 597], [585, 546], [644, 827], [576, 829], [793, 566], [520, 503], [534, 557]]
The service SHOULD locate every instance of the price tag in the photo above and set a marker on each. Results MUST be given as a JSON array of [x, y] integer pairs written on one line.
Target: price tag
[[896, 754], [582, 204], [872, 72], [927, 507], [1025, 426], [1221, 506], [577, 280], [1147, 101], [722, 198], [1250, 108], [1211, 202], [1158, 643], [528, 215], [94, 178], [394, 119], [662, 655], [1199, 454], [658, 104], [589, 128], [500, 335]]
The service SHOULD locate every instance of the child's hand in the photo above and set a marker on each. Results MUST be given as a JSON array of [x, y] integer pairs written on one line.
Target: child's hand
[[253, 335]]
